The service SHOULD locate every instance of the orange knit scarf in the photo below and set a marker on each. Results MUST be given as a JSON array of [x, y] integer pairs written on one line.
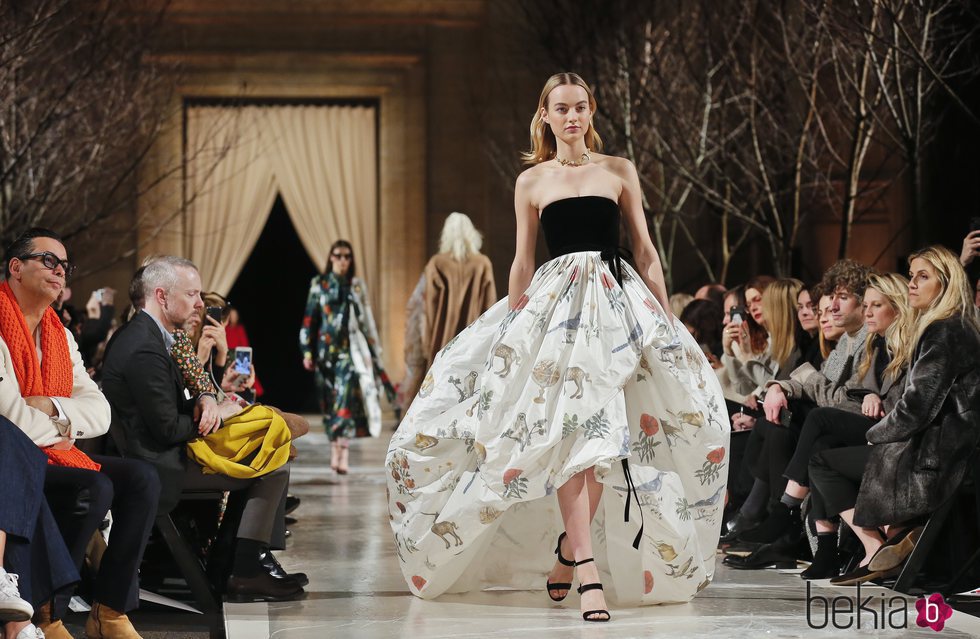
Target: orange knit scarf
[[53, 376]]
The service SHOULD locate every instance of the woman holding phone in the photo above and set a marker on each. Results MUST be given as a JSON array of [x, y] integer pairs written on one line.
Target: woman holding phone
[[339, 342]]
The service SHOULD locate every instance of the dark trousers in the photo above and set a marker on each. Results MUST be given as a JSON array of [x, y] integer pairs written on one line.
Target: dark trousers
[[835, 477], [35, 550], [775, 445], [264, 511], [80, 499], [826, 428], [740, 478]]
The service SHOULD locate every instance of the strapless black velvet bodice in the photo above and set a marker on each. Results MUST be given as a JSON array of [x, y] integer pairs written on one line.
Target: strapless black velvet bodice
[[584, 223]]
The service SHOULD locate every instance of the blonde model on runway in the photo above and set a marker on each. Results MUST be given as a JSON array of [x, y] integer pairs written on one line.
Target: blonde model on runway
[[576, 404]]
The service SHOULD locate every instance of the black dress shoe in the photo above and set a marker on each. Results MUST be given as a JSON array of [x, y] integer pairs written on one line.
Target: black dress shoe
[[272, 566], [292, 503], [736, 526], [742, 549], [767, 556], [261, 587]]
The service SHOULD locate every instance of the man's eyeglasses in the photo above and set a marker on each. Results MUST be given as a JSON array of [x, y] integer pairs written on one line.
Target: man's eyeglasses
[[50, 261], [342, 256]]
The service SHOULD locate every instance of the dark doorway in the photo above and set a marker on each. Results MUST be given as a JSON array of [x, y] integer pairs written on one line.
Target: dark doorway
[[270, 295]]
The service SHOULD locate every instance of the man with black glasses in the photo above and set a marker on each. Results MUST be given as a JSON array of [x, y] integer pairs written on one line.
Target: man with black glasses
[[46, 391]]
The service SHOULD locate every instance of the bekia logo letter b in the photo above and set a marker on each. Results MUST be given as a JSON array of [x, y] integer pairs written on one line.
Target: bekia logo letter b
[[933, 612]]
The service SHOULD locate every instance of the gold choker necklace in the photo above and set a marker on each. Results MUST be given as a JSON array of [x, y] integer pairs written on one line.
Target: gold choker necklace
[[582, 160]]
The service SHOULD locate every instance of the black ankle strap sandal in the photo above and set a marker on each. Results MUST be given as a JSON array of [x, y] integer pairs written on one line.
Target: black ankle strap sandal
[[554, 587], [588, 614]]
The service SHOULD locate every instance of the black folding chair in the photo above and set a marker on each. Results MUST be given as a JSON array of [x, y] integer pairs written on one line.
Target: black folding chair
[[187, 561], [907, 580]]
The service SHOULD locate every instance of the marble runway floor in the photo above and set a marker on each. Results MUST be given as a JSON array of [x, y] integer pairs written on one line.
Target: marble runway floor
[[343, 542]]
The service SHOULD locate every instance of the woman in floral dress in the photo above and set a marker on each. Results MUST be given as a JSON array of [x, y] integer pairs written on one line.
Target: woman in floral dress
[[339, 342]]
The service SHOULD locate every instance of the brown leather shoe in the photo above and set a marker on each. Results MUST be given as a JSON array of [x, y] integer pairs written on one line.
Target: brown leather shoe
[[262, 587], [104, 622], [896, 550], [53, 628]]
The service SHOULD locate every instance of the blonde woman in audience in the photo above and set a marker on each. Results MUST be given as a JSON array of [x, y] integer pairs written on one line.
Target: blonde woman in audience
[[921, 448]]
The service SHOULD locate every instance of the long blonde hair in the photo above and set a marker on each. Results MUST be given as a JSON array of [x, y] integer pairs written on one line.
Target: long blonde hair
[[459, 237], [543, 144], [895, 288], [955, 298], [779, 309]]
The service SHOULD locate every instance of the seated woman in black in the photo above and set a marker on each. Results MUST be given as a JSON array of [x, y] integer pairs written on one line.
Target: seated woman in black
[[920, 448]]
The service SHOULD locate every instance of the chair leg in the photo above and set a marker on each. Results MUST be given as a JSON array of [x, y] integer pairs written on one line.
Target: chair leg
[[910, 571], [188, 564]]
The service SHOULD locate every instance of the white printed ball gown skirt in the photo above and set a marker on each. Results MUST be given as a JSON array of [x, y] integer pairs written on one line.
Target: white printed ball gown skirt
[[585, 373]]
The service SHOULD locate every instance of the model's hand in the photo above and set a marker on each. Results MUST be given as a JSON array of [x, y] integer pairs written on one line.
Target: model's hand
[[207, 415], [308, 363], [43, 404], [774, 402], [971, 248], [872, 406]]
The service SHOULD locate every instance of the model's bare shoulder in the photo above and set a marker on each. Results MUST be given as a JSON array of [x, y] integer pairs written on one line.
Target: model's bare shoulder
[[620, 166], [527, 183], [530, 176]]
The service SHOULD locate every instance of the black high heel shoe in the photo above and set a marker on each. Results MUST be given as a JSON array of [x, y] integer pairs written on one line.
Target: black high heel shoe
[[587, 615], [564, 562]]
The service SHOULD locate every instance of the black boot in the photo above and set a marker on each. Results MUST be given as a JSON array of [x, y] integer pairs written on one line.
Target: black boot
[[826, 562], [775, 526]]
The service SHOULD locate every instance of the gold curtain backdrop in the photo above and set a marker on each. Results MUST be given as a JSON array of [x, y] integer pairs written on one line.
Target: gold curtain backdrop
[[321, 159]]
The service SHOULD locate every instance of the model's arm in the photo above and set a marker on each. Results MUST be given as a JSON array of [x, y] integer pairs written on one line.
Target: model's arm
[[646, 256], [522, 269]]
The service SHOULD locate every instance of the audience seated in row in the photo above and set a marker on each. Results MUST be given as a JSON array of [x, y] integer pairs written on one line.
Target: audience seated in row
[[155, 417]]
